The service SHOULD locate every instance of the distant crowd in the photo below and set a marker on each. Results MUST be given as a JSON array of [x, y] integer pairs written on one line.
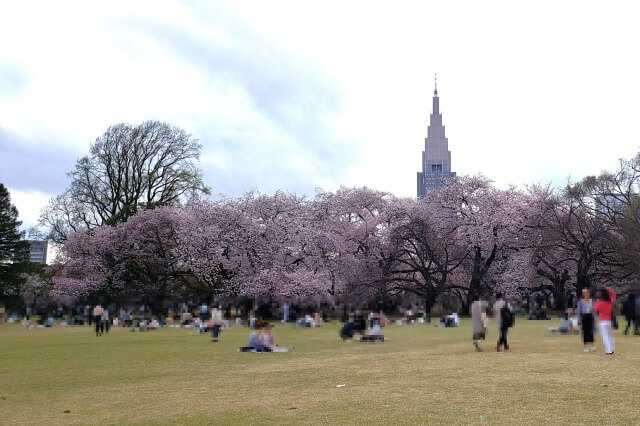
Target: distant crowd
[[586, 317]]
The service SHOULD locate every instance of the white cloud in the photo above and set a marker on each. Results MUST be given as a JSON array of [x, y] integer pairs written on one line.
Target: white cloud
[[294, 95], [29, 204]]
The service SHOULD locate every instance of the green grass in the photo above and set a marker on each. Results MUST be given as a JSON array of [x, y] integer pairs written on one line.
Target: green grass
[[422, 375]]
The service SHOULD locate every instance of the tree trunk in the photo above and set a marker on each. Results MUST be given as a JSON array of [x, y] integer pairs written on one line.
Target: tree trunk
[[582, 282]]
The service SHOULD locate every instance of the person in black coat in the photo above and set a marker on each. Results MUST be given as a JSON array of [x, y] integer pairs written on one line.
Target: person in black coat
[[348, 329], [629, 311]]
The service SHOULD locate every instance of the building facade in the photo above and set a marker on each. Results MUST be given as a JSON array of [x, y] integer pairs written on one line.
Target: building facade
[[38, 251], [436, 157]]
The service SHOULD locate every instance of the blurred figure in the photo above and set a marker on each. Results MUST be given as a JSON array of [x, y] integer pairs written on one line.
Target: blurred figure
[[348, 329], [374, 330], [604, 309], [256, 341], [216, 323], [449, 320], [204, 312], [574, 328], [565, 325], [104, 320], [629, 312], [306, 322], [317, 320], [586, 318], [97, 318], [26, 323], [383, 319], [504, 317], [479, 321], [636, 326]]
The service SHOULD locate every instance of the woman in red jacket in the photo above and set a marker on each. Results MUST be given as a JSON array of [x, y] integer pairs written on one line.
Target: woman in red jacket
[[604, 309]]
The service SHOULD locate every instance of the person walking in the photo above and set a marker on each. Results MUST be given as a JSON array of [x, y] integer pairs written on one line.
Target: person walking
[[604, 309], [216, 319], [97, 318], [586, 318], [504, 319], [479, 321]]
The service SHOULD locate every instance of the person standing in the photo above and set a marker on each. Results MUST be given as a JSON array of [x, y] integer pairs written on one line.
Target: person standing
[[479, 321], [216, 319], [502, 320], [636, 325], [204, 312], [629, 311], [105, 320], [604, 309], [97, 318], [587, 320]]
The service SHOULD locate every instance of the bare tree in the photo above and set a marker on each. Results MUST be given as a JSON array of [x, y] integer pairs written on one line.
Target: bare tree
[[613, 198], [129, 168]]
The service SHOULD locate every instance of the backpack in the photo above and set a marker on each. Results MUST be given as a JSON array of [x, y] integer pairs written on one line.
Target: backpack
[[507, 318]]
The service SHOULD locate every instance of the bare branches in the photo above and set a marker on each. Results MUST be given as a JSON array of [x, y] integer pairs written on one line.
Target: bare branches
[[129, 168]]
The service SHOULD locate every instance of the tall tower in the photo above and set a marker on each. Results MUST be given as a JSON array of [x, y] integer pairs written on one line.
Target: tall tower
[[436, 157]]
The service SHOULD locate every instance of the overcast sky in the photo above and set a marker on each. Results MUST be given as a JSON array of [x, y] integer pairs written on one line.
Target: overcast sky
[[298, 95]]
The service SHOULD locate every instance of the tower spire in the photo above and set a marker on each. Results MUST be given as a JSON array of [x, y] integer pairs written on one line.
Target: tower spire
[[436, 157]]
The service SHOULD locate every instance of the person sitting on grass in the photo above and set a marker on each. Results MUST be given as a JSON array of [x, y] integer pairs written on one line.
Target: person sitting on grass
[[450, 320], [574, 327], [348, 329], [257, 341], [306, 322], [565, 325], [154, 324], [373, 333], [317, 319], [26, 323]]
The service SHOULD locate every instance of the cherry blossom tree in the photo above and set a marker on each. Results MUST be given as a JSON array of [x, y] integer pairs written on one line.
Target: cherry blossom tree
[[490, 223], [421, 250], [347, 228], [137, 258]]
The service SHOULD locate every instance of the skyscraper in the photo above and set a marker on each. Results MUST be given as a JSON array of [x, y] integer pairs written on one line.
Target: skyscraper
[[436, 157], [38, 251]]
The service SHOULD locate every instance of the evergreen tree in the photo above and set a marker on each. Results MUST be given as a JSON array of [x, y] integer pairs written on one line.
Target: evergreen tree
[[14, 252]]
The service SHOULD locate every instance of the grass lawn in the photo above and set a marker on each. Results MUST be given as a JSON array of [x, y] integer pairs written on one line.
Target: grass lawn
[[422, 374]]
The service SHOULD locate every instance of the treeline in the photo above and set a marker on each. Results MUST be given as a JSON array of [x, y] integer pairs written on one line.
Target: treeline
[[132, 224], [465, 239]]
